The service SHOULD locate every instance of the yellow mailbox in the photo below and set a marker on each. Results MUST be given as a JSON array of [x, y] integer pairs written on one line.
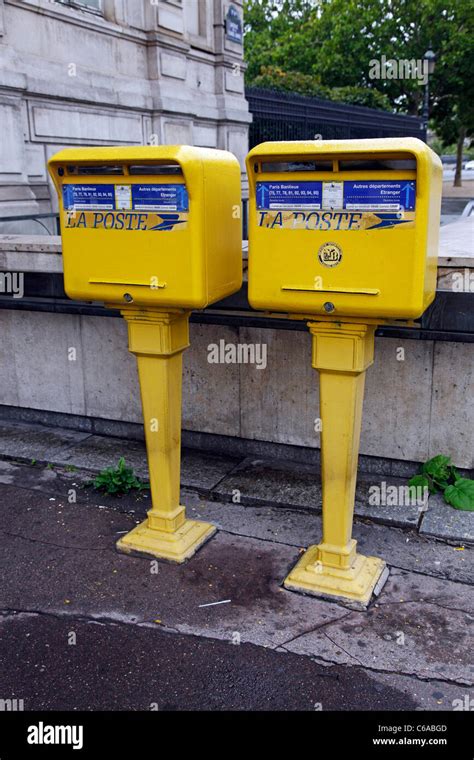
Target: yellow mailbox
[[155, 225], [345, 235], [347, 227], [154, 232]]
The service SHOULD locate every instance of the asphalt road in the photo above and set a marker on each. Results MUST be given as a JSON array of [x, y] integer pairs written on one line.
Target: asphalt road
[[132, 667]]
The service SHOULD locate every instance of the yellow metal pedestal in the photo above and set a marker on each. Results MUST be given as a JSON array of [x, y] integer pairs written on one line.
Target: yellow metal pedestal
[[158, 341], [341, 353]]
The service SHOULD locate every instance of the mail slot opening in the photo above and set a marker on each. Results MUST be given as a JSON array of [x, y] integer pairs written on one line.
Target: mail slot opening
[[95, 170], [361, 164], [153, 169], [297, 166]]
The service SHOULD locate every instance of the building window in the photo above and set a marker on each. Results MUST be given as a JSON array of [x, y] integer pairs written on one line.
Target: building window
[[89, 5], [197, 18]]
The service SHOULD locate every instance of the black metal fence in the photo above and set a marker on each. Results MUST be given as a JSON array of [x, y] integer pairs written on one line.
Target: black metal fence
[[288, 116]]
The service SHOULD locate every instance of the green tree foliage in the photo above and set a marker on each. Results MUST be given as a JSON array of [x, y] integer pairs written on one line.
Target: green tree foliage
[[272, 77], [453, 80], [321, 46], [276, 34]]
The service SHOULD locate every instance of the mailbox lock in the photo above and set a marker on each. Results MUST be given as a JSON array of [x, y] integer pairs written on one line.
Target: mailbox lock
[[329, 307], [127, 297]]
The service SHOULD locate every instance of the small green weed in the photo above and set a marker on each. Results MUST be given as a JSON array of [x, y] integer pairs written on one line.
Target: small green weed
[[440, 475], [119, 480]]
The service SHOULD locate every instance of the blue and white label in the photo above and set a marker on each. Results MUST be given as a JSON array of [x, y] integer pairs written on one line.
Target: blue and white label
[[273, 196], [134, 197], [160, 198], [350, 195], [379, 195], [86, 197]]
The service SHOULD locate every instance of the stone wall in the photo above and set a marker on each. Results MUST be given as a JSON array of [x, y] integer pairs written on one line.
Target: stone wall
[[137, 72], [414, 408]]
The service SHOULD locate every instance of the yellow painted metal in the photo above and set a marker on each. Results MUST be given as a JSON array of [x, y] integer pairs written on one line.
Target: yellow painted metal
[[341, 354], [155, 263], [158, 341], [385, 270], [344, 271], [117, 254]]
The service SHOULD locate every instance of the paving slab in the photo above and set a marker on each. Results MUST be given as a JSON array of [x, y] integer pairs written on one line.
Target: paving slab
[[203, 472], [409, 551], [373, 499], [29, 441], [419, 588], [261, 482], [419, 626], [443, 521], [36, 477], [400, 548], [277, 524], [200, 471], [97, 452]]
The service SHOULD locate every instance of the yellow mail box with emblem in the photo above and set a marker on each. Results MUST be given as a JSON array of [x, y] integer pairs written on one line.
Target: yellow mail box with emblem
[[347, 228], [155, 226]]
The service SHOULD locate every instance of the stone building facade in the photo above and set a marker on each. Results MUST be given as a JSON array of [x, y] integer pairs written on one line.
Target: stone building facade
[[120, 72]]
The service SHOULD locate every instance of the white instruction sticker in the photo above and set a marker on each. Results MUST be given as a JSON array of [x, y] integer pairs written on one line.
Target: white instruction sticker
[[123, 196], [333, 195]]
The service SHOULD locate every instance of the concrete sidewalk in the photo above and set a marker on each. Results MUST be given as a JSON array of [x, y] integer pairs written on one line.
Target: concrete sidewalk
[[141, 637], [250, 481]]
